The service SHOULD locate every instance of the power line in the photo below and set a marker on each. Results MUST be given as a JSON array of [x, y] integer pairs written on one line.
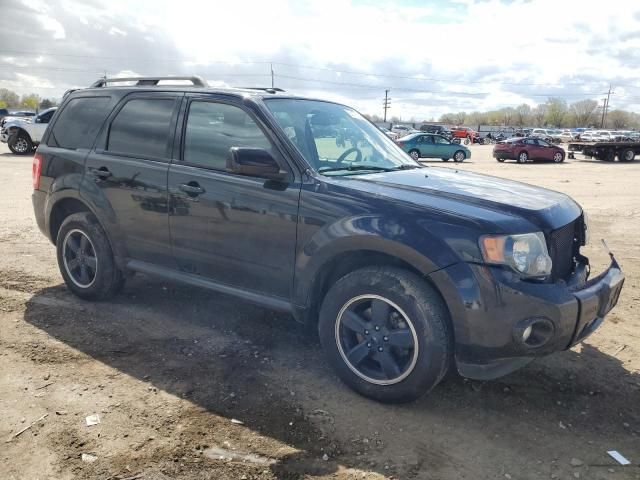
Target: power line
[[418, 77]]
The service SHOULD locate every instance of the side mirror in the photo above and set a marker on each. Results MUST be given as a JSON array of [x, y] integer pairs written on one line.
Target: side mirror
[[36, 120], [254, 162]]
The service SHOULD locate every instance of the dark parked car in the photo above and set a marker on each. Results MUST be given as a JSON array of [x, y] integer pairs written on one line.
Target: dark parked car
[[406, 271], [437, 129], [527, 149]]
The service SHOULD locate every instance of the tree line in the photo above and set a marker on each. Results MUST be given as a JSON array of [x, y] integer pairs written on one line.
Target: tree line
[[554, 113], [31, 101]]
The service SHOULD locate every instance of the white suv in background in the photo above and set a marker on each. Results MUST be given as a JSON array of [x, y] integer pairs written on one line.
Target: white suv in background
[[24, 134]]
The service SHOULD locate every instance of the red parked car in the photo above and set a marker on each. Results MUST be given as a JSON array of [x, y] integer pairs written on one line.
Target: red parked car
[[528, 149], [464, 132]]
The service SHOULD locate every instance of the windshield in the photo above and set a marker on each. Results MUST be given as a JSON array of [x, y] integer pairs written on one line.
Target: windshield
[[337, 140]]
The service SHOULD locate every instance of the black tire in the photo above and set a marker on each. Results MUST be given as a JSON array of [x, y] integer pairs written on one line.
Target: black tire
[[523, 157], [459, 156], [445, 159], [20, 144], [104, 278], [501, 160], [558, 157], [627, 155], [415, 154], [427, 322]]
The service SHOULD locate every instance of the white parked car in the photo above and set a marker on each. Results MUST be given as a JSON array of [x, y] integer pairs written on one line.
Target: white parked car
[[567, 135], [587, 136], [403, 130], [24, 134]]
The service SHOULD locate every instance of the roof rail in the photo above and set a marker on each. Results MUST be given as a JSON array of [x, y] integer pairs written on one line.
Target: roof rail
[[265, 89], [196, 80]]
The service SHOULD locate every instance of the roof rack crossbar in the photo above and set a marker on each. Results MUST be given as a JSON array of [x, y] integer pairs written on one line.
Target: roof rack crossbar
[[264, 89], [196, 80]]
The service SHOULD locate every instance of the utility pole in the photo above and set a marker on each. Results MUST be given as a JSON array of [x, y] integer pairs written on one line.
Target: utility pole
[[387, 104], [272, 79], [606, 106]]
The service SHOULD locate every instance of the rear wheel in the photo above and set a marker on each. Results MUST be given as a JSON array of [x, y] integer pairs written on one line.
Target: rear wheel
[[627, 155], [445, 159], [501, 160], [20, 144], [415, 154], [523, 157], [85, 258], [386, 332]]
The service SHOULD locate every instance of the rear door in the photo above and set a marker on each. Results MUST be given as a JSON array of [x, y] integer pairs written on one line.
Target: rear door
[[233, 229], [126, 174], [531, 146], [426, 146]]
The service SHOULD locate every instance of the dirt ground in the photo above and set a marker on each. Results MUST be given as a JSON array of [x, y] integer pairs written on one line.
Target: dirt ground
[[191, 385]]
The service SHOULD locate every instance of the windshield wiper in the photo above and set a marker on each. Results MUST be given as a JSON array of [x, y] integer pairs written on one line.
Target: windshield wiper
[[355, 168], [408, 166]]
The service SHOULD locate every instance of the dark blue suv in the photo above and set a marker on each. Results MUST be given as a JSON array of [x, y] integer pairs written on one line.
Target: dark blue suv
[[306, 207]]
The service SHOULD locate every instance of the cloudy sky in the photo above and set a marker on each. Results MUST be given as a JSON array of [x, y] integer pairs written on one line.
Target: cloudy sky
[[435, 56]]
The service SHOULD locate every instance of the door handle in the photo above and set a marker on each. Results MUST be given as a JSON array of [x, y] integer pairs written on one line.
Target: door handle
[[101, 172], [191, 188]]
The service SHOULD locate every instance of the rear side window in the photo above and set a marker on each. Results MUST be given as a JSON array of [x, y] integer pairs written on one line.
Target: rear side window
[[213, 128], [142, 128], [79, 123]]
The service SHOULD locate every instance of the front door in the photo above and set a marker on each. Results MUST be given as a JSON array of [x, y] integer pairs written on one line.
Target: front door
[[126, 175], [233, 229]]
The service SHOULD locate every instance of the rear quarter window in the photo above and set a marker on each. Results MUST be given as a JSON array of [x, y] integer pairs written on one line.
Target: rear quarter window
[[79, 122]]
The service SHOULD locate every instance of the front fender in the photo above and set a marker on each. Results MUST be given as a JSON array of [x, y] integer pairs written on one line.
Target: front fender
[[396, 237]]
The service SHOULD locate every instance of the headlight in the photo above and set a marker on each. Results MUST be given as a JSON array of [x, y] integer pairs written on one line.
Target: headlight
[[526, 253]]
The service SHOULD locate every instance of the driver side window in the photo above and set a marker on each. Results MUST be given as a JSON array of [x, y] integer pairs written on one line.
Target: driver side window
[[441, 140]]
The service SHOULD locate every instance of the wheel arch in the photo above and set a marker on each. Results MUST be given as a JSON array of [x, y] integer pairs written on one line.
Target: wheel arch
[[17, 130], [312, 289], [61, 207]]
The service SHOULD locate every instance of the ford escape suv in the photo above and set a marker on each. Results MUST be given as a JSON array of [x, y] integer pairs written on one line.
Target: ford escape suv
[[304, 206]]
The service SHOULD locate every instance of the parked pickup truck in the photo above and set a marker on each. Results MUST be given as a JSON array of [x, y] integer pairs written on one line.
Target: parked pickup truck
[[24, 134], [464, 132]]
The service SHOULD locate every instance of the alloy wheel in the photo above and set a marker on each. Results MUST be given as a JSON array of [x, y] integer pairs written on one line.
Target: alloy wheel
[[80, 260], [20, 145], [376, 339]]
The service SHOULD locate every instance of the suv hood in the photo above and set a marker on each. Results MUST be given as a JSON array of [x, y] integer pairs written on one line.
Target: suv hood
[[474, 195]]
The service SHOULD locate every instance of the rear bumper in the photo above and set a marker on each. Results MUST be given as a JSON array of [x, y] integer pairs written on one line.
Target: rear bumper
[[39, 198], [491, 308], [503, 155]]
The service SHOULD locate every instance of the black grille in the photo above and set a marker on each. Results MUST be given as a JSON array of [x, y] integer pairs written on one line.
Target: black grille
[[563, 245]]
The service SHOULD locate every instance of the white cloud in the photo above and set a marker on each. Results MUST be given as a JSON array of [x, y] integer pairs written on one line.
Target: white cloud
[[505, 53]]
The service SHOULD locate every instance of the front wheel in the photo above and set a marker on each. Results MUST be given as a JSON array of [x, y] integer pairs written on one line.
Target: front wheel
[[558, 157], [459, 156], [415, 154], [85, 258], [20, 144], [386, 333]]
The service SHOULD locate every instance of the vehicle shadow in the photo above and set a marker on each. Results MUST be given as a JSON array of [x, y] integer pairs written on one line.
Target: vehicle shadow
[[206, 348]]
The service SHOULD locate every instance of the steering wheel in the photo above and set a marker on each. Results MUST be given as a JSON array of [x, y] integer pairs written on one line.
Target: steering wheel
[[346, 153]]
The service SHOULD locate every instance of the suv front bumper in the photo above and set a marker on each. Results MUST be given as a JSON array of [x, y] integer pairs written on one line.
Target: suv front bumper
[[491, 308]]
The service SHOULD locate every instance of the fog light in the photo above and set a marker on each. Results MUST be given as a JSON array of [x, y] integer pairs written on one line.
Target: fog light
[[527, 333]]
